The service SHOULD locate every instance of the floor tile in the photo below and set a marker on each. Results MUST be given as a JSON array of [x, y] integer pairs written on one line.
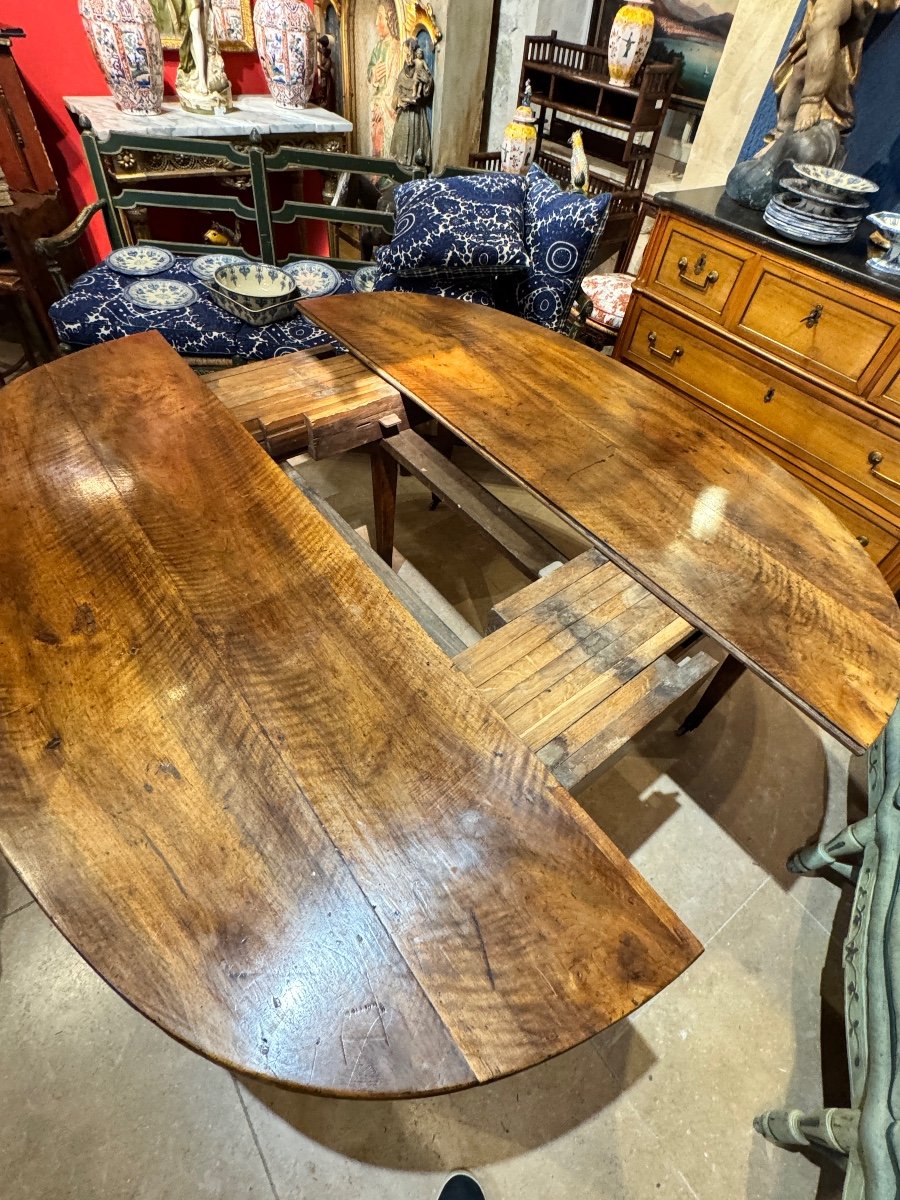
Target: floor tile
[[759, 769], [13, 893], [676, 845], [738, 1033], [97, 1103], [560, 1131]]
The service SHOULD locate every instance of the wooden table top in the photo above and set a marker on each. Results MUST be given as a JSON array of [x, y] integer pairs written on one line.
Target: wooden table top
[[691, 509], [251, 791]]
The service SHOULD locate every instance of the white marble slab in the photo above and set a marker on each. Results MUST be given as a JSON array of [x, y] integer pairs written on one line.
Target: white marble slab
[[250, 113]]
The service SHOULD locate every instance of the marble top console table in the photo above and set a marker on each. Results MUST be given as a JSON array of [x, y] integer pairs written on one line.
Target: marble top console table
[[251, 114], [143, 154]]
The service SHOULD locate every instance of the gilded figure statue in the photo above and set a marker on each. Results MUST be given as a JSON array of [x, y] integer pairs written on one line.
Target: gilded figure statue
[[815, 80]]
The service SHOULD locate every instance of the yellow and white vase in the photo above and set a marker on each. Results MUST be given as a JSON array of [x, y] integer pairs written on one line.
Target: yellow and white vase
[[519, 141], [629, 41]]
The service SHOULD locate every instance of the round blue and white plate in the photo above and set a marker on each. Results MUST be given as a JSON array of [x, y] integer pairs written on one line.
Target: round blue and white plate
[[364, 278], [840, 181], [205, 266], [161, 293], [313, 278], [140, 260]]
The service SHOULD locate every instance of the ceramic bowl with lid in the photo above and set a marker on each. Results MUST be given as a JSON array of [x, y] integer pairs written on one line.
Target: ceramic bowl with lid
[[254, 285]]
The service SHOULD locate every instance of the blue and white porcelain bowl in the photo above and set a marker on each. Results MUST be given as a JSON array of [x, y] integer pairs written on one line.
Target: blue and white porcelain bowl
[[829, 180], [281, 310], [887, 223], [254, 285]]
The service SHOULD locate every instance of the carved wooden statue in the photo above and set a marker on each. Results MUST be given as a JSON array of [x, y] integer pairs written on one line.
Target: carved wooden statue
[[324, 92], [814, 84], [411, 139]]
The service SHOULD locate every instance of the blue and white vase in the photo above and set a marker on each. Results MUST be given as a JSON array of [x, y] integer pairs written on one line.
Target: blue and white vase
[[286, 40], [128, 50]]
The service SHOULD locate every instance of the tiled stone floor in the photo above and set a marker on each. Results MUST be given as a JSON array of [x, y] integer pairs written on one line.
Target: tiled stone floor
[[98, 1104]]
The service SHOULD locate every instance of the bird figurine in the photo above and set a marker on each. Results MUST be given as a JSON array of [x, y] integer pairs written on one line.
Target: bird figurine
[[578, 165], [218, 235]]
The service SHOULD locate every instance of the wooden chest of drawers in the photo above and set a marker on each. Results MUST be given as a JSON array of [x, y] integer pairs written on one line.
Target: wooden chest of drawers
[[803, 359]]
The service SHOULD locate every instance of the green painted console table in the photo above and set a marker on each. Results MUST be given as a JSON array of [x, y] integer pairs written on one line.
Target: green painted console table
[[137, 161]]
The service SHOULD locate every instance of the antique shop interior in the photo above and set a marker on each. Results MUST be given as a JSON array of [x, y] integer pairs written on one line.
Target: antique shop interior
[[434, 431]]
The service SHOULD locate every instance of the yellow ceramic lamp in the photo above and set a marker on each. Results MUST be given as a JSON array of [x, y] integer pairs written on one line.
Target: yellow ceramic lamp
[[629, 41]]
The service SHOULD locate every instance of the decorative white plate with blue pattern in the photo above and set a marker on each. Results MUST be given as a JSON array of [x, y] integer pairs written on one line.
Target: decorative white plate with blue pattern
[[140, 260], [838, 181], [364, 278], [313, 278], [205, 266], [161, 293]]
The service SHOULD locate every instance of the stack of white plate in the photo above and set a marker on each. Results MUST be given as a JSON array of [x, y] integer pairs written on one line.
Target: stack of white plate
[[819, 205]]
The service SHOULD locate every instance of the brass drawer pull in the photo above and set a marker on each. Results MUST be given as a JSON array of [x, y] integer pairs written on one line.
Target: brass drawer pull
[[813, 317], [698, 267], [862, 539], [769, 396], [875, 459], [670, 358]]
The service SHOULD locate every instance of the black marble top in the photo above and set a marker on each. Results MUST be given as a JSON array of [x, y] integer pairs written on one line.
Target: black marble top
[[712, 207]]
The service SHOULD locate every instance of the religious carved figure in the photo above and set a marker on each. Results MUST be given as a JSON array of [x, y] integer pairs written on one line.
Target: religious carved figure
[[201, 83], [324, 91], [383, 66], [815, 80], [814, 84], [411, 141]]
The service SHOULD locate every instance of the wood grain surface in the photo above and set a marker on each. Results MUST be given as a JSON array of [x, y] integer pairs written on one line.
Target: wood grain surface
[[692, 510], [251, 791]]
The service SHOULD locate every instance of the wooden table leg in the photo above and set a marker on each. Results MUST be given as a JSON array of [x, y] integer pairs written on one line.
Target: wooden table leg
[[721, 683], [384, 498]]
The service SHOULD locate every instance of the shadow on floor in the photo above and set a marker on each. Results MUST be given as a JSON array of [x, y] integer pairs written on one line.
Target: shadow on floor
[[494, 1122]]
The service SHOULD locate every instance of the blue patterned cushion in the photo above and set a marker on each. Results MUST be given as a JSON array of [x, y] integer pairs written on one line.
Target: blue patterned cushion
[[562, 230], [97, 310], [460, 290], [468, 225]]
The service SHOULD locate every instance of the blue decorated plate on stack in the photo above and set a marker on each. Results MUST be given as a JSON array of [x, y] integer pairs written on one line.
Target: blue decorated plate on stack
[[819, 205]]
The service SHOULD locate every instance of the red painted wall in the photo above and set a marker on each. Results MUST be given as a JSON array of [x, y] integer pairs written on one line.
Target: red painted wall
[[55, 60]]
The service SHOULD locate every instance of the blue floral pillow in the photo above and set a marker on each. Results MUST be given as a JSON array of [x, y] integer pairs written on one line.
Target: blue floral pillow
[[468, 225], [562, 230], [452, 289]]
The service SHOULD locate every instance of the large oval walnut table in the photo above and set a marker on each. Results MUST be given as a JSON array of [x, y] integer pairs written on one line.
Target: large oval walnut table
[[252, 792]]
